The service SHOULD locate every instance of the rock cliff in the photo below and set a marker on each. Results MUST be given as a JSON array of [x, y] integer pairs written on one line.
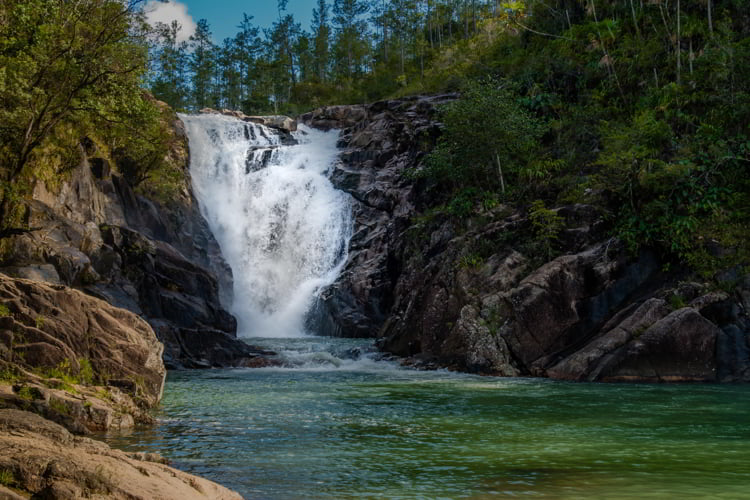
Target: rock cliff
[[477, 294], [152, 255], [380, 142]]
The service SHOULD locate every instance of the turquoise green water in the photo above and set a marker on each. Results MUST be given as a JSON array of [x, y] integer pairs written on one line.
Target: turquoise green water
[[337, 428]]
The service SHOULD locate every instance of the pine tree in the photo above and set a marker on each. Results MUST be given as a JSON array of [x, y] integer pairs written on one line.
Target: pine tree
[[321, 31], [202, 64], [350, 31]]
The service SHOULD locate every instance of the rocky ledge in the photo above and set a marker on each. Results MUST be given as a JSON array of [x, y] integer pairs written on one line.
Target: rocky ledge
[[283, 125], [42, 459], [76, 359]]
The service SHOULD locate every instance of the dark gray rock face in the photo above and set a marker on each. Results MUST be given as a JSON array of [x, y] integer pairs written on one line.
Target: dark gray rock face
[[380, 142], [475, 296], [157, 259], [594, 314]]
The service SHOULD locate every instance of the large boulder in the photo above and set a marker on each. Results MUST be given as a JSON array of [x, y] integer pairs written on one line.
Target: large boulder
[[680, 347], [53, 327]]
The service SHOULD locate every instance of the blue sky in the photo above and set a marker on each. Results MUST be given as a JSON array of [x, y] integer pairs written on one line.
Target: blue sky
[[224, 15]]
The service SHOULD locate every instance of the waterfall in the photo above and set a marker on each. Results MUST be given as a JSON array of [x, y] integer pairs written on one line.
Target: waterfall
[[282, 226]]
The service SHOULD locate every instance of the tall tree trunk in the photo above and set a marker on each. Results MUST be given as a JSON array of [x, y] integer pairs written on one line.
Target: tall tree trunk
[[679, 46], [500, 172], [635, 20], [691, 56], [466, 19]]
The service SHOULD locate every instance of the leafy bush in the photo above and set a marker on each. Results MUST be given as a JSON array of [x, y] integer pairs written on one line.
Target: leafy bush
[[547, 225], [488, 137]]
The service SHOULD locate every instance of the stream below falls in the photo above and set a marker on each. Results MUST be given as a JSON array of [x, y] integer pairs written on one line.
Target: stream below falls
[[337, 423]]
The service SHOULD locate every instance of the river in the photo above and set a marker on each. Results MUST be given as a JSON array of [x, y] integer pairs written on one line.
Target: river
[[333, 427]]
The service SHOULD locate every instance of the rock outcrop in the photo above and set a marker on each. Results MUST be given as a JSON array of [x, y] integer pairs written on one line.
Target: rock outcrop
[[76, 359], [43, 459], [72, 363], [380, 142], [476, 296], [284, 125]]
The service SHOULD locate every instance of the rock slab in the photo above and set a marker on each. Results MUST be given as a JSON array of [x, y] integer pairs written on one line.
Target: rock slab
[[46, 461]]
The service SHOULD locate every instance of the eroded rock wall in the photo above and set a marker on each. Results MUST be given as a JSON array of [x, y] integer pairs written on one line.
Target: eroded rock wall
[[158, 259], [479, 295]]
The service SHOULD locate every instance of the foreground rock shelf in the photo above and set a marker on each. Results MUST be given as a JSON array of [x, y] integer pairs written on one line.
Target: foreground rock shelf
[[43, 459], [72, 364]]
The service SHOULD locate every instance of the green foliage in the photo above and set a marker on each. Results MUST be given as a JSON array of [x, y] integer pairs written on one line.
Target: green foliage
[[547, 225], [39, 322], [488, 138], [104, 394], [7, 478], [471, 261], [145, 149], [662, 148], [85, 371], [9, 374], [676, 301], [67, 69], [69, 377], [29, 394], [4, 311], [59, 406]]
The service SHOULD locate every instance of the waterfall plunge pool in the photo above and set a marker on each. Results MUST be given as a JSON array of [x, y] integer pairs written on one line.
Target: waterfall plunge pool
[[338, 423], [360, 428]]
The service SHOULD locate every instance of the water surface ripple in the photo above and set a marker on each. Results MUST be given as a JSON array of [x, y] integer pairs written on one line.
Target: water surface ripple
[[366, 429]]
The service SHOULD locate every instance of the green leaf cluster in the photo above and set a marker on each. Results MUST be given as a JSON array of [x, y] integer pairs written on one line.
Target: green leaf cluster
[[70, 70], [641, 109], [488, 139]]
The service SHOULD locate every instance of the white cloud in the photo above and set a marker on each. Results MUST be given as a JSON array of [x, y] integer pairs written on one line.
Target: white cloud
[[166, 12]]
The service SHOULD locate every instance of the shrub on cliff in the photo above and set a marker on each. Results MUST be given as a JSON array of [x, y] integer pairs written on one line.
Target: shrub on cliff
[[488, 139]]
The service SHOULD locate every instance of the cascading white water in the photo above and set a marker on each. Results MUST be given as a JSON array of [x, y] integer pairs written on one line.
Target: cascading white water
[[282, 226]]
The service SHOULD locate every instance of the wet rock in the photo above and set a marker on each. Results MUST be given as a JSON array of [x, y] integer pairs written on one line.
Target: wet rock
[[280, 122], [380, 141], [35, 272], [560, 304], [206, 348], [588, 362], [472, 347]]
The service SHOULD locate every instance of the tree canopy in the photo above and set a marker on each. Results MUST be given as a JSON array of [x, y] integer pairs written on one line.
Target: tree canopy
[[66, 68]]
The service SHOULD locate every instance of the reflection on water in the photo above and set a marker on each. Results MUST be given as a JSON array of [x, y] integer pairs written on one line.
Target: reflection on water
[[358, 427]]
